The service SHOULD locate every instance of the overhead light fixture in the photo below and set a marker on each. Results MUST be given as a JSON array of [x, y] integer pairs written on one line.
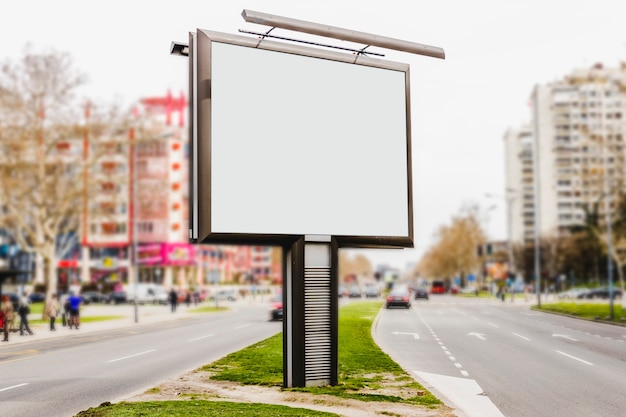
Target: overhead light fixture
[[342, 34]]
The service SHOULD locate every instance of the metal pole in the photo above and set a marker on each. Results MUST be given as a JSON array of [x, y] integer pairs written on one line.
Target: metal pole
[[510, 233], [135, 229], [607, 204], [510, 227], [536, 192]]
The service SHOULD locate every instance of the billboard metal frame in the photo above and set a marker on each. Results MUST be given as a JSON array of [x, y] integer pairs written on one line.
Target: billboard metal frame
[[200, 179]]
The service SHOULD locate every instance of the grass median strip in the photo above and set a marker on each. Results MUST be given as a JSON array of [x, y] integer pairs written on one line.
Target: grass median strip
[[588, 311], [365, 374]]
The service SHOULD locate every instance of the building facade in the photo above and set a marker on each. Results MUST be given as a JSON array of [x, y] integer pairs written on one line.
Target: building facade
[[571, 155], [135, 221]]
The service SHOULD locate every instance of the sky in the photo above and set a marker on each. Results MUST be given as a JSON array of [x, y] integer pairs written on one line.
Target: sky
[[496, 52]]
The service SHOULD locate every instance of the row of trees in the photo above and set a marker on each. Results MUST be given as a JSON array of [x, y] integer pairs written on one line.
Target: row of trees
[[580, 254]]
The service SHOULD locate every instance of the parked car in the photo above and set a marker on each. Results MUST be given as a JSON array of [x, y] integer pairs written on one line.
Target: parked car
[[276, 310], [398, 297], [93, 297], [421, 293], [372, 291], [117, 297], [600, 293], [572, 293], [147, 293], [37, 297], [355, 292], [469, 290], [229, 294], [342, 291]]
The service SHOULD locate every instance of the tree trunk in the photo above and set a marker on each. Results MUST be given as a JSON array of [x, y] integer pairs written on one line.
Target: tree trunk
[[51, 271]]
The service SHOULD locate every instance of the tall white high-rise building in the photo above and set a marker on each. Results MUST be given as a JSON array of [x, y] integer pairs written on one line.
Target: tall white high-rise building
[[577, 136]]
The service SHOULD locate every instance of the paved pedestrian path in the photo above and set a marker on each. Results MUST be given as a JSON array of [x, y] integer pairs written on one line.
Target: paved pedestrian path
[[125, 313]]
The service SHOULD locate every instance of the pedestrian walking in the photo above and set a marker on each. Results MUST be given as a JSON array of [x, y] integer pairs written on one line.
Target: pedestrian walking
[[7, 316], [75, 301], [23, 310], [173, 300], [66, 310], [51, 310]]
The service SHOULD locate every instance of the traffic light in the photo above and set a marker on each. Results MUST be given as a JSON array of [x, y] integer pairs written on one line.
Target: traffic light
[[489, 251], [479, 251]]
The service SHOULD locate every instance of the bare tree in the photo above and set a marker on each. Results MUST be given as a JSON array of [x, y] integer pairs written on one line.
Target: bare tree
[[44, 135]]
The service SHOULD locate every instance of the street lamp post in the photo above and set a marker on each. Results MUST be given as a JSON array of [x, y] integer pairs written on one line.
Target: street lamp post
[[537, 189], [607, 204], [135, 229]]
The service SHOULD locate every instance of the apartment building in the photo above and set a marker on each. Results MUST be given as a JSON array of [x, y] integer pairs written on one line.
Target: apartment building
[[133, 199], [147, 207], [577, 131]]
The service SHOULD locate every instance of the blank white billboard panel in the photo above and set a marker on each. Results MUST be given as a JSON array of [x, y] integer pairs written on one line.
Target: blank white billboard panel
[[301, 145]]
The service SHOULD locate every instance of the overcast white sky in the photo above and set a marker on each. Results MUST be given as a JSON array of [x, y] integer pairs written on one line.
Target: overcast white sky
[[461, 106]]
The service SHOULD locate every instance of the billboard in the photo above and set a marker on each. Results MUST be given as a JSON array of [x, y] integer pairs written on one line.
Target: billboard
[[292, 141]]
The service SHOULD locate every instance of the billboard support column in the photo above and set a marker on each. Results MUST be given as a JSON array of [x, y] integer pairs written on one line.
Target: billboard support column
[[310, 313]]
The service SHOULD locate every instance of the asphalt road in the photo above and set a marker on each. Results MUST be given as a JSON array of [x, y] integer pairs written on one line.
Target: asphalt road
[[60, 376], [489, 358]]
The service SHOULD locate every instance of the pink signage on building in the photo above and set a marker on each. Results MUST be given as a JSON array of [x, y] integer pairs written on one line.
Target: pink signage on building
[[150, 254], [178, 254]]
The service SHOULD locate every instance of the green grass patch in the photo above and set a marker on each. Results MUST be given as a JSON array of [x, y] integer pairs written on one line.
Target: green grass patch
[[207, 309], [365, 372], [589, 311], [198, 408]]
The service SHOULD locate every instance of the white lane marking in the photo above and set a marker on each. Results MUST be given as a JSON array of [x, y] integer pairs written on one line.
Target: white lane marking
[[241, 327], [458, 365], [415, 335], [574, 357], [494, 325], [201, 337], [131, 356], [13, 387], [478, 335], [564, 336], [465, 394], [520, 336], [464, 373]]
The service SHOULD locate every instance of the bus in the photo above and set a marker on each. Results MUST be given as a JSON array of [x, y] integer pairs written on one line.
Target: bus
[[437, 287]]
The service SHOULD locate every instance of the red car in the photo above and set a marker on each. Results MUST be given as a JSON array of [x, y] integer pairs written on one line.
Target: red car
[[437, 287]]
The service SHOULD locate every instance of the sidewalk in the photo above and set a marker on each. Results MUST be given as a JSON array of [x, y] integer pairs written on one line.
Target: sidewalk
[[146, 314]]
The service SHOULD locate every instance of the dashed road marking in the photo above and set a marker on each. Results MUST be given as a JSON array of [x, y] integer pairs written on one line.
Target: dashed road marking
[[574, 357], [201, 337], [13, 387], [131, 356]]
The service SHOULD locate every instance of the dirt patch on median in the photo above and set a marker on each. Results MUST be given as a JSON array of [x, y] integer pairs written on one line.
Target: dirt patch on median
[[197, 385]]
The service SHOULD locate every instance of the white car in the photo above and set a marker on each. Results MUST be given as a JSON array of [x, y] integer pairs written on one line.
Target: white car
[[572, 293], [469, 290]]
